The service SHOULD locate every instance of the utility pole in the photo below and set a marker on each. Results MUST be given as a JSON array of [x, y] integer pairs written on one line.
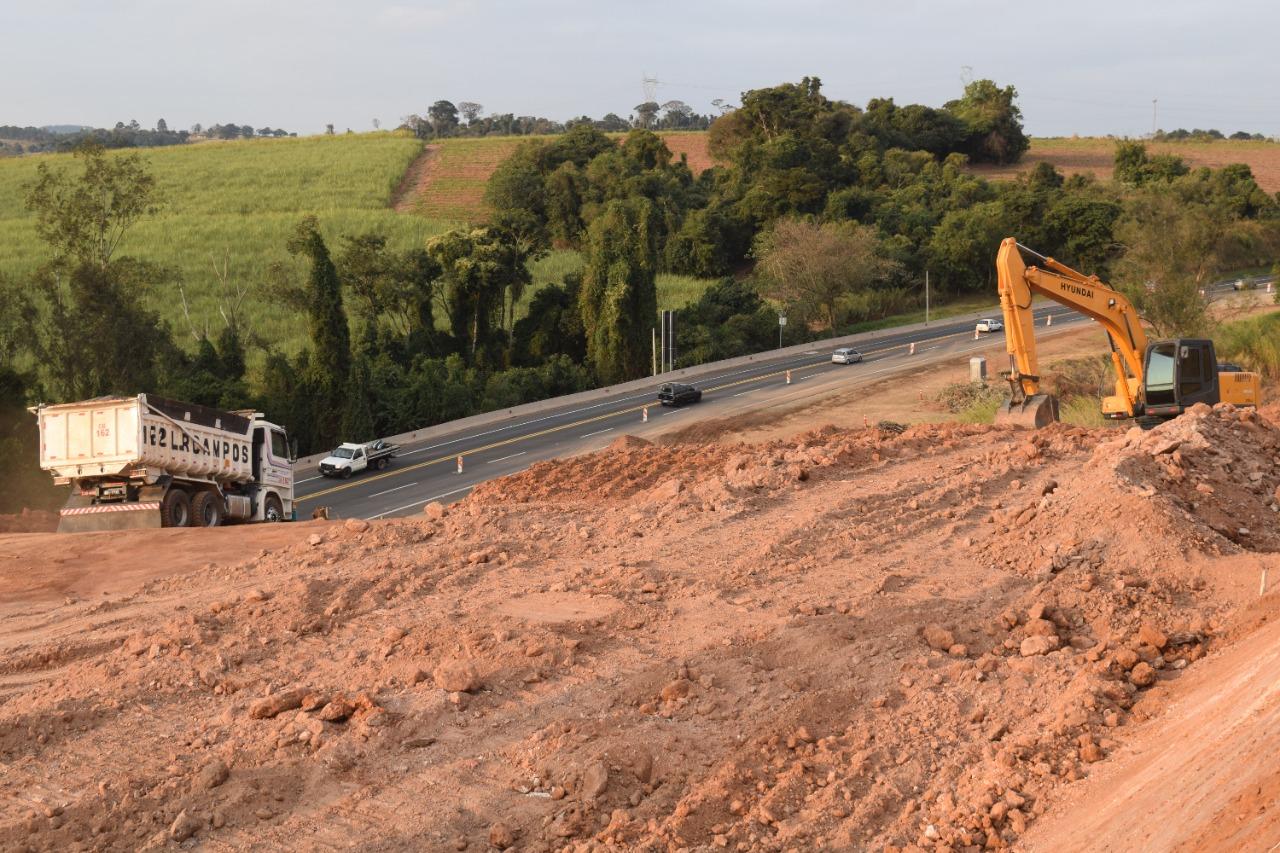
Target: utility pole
[[654, 334], [926, 297], [1154, 125]]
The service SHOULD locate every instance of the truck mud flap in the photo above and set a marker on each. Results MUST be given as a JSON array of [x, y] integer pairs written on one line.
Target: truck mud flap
[[121, 516]]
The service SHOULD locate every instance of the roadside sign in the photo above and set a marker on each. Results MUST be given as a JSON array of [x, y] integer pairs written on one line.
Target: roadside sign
[[782, 321]]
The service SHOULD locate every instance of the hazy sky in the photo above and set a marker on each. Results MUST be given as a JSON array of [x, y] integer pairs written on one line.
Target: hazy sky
[[1079, 67]]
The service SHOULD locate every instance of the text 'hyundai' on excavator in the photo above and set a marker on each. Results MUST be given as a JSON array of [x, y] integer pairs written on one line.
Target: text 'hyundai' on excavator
[[1155, 381]]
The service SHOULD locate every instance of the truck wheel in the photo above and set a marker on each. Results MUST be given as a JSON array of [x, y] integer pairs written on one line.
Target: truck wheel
[[207, 510], [346, 473], [175, 509], [380, 464], [273, 510]]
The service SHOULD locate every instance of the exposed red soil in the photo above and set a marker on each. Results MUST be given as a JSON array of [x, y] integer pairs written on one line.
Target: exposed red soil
[[29, 521], [694, 147], [449, 185], [415, 180], [1098, 159], [846, 640]]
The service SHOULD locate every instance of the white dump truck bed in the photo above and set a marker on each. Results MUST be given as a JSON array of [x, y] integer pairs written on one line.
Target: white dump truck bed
[[112, 435]]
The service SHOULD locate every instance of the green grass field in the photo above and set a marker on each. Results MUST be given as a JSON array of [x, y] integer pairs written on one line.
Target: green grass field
[[244, 197]]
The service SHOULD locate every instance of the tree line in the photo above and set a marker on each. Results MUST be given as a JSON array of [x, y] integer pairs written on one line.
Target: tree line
[[444, 119], [36, 140]]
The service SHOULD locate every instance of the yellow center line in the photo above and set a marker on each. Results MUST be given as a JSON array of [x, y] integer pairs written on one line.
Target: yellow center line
[[549, 430]]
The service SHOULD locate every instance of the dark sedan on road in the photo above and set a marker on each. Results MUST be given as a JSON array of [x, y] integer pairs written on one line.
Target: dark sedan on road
[[675, 394]]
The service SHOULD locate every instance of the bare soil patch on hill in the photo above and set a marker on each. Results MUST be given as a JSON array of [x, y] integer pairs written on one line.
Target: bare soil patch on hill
[[1096, 156]]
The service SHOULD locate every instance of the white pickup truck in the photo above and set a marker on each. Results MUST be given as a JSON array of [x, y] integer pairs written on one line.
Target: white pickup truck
[[350, 459]]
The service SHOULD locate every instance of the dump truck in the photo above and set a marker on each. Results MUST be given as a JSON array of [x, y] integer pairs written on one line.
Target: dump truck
[[1155, 380], [146, 461]]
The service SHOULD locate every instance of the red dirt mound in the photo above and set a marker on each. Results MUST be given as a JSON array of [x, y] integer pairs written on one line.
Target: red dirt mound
[[850, 640]]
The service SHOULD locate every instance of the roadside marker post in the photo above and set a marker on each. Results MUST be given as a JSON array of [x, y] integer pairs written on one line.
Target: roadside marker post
[[788, 377], [1048, 321], [975, 334], [912, 351], [644, 415], [459, 464]]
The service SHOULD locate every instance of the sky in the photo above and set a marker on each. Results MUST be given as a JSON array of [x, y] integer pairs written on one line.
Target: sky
[[1083, 67]]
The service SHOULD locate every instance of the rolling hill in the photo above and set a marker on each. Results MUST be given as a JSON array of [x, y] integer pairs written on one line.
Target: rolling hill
[[244, 198]]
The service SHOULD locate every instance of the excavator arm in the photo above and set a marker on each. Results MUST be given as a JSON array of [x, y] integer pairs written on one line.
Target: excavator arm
[[1087, 295]]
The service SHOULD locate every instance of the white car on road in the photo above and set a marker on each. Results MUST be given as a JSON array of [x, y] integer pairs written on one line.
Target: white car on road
[[846, 355], [989, 325]]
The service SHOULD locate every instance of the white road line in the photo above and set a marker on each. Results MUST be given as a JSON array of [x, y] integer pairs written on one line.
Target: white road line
[[597, 432], [396, 489], [308, 480], [505, 458], [420, 503], [713, 379], [674, 412], [740, 393]]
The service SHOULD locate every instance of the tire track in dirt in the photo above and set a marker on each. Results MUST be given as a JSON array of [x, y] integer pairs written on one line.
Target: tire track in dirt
[[416, 180]]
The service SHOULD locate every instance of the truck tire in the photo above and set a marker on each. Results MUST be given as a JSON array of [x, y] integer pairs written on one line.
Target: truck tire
[[273, 510], [175, 509], [380, 464], [207, 510], [346, 473]]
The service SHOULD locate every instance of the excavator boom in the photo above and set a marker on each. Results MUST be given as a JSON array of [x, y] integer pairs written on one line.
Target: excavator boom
[[1029, 406]]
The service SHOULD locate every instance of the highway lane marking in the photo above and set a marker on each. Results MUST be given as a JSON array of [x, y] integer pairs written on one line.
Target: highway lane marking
[[308, 480], [613, 400], [508, 441], [505, 458], [597, 432], [420, 503], [389, 491], [555, 415]]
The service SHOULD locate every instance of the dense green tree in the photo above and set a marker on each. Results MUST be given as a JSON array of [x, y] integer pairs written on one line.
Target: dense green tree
[[83, 219], [993, 122], [444, 117], [808, 268], [483, 270], [552, 326], [1135, 168], [619, 301], [647, 114], [330, 358]]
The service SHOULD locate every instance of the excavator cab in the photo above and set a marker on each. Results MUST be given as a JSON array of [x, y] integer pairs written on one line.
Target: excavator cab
[[1178, 374]]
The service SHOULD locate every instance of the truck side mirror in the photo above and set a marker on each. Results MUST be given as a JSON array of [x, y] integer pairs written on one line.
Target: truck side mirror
[[293, 451]]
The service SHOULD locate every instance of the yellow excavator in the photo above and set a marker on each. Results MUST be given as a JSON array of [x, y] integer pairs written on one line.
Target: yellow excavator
[[1155, 381]]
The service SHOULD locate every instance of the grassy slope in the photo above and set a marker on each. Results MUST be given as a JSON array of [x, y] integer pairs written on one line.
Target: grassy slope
[[243, 196], [246, 197]]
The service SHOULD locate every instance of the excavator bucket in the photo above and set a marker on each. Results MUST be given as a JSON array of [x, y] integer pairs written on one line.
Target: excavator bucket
[[1036, 411]]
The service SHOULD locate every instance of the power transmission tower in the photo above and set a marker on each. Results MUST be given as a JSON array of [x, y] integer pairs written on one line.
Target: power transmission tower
[[650, 87]]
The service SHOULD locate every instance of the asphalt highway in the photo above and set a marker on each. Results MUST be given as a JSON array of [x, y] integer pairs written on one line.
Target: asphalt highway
[[428, 471]]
